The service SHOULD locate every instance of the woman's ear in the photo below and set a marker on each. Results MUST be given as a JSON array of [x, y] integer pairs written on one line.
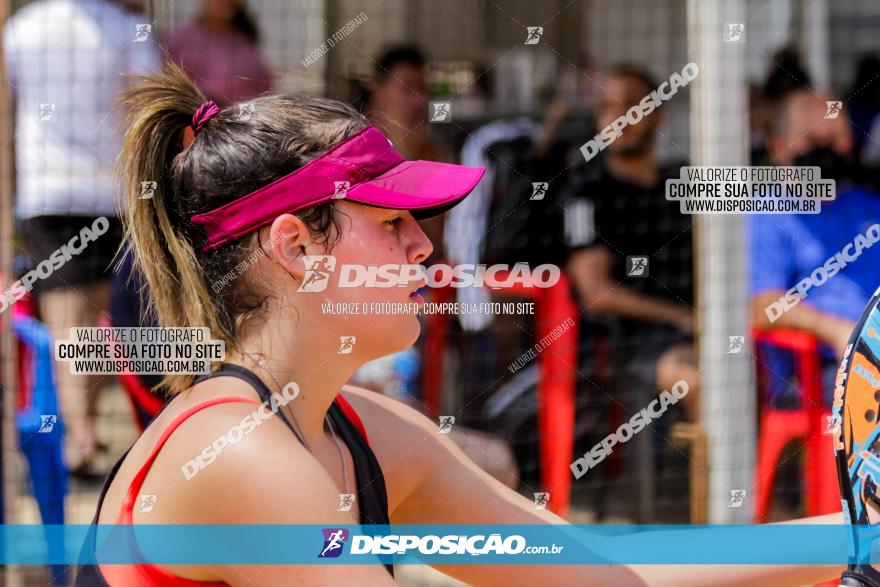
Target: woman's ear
[[286, 244]]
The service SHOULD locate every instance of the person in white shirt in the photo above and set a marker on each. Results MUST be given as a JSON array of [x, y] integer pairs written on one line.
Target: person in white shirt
[[64, 60]]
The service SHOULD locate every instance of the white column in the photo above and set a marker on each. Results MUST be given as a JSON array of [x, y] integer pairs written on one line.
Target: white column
[[815, 45], [719, 136]]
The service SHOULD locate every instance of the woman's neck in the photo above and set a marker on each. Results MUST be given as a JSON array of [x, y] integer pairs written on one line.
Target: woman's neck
[[318, 370]]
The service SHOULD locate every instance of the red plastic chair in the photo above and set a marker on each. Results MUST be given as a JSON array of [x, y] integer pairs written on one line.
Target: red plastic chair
[[806, 424], [556, 389]]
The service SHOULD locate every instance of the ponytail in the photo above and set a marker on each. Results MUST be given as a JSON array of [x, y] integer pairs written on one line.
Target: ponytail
[[157, 112]]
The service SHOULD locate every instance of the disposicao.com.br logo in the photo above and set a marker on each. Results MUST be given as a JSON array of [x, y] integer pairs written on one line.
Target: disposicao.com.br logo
[[431, 544], [334, 542], [319, 268]]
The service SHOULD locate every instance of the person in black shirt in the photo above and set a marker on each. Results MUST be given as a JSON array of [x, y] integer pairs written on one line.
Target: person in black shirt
[[631, 250]]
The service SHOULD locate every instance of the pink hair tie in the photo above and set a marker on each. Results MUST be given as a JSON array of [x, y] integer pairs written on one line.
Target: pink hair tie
[[206, 112]]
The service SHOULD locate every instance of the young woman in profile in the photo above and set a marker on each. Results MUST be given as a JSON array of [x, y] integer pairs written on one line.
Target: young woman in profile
[[226, 188]]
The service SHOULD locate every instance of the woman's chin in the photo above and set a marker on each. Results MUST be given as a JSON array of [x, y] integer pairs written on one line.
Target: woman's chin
[[407, 329]]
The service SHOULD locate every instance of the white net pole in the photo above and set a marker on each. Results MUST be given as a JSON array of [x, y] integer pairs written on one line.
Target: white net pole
[[719, 136]]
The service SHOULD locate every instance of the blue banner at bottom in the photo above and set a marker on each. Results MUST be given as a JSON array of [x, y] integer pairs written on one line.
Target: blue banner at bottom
[[795, 544]]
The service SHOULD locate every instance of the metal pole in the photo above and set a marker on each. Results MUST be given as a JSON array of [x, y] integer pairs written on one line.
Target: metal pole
[[8, 355], [719, 136], [814, 26]]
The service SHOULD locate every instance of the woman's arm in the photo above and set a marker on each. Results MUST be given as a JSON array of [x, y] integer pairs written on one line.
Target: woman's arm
[[451, 489]]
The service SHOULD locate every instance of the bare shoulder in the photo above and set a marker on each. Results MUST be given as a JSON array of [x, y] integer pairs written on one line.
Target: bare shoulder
[[405, 441], [237, 463]]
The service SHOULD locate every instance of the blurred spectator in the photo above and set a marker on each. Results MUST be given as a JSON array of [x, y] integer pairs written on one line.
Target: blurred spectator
[[863, 101], [398, 106], [786, 248], [785, 74], [468, 223], [615, 210], [220, 51], [398, 102], [63, 58]]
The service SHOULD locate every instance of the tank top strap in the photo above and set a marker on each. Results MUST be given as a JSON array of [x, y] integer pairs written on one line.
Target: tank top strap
[[125, 515]]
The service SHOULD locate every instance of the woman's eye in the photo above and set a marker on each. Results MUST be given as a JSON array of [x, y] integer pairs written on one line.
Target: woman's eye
[[395, 222]]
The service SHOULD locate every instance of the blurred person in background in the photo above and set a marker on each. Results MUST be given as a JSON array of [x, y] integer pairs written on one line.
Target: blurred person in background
[[220, 50], [863, 101], [63, 60], [863, 105], [787, 248], [615, 208], [785, 74], [397, 104]]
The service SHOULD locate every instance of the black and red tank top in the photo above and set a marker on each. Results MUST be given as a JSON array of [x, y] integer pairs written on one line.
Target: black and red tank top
[[371, 494]]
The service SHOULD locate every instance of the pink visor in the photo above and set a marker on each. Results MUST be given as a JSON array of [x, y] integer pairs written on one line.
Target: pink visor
[[364, 168]]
